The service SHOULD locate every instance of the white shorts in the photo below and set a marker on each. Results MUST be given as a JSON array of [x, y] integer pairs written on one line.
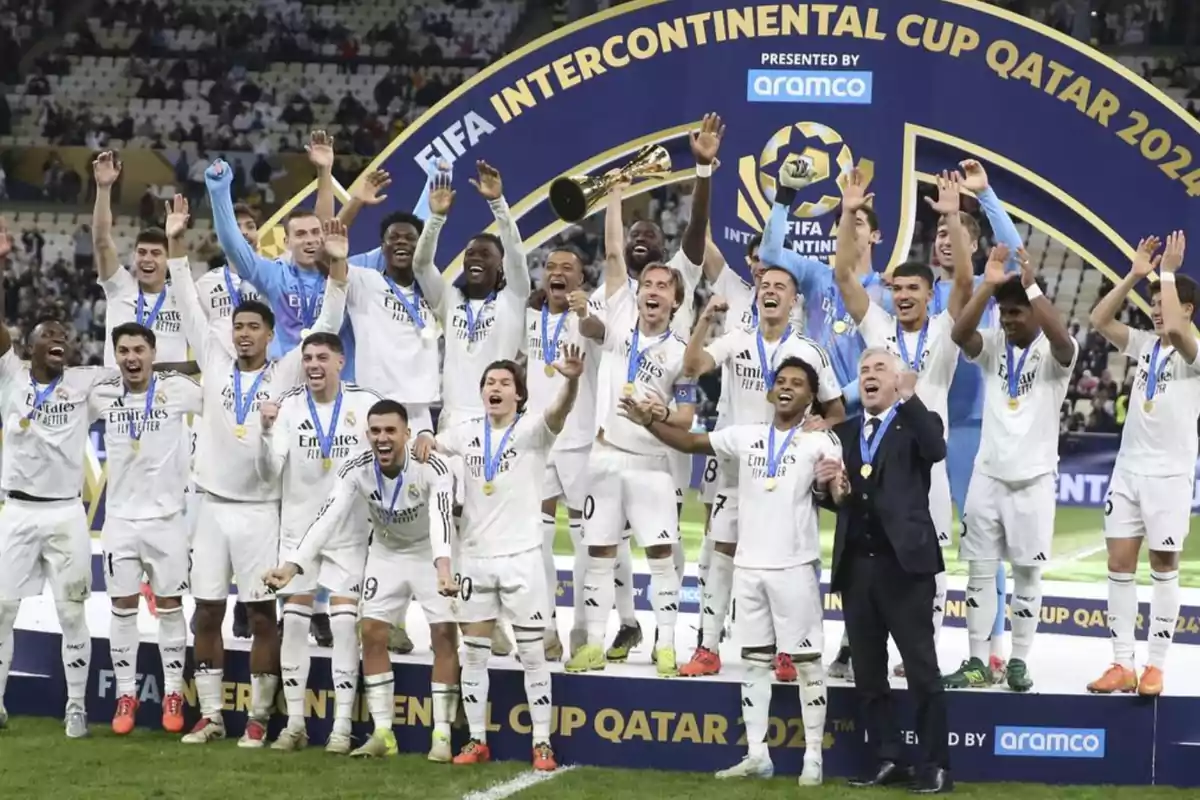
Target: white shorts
[[157, 548], [1158, 509], [779, 607], [633, 489], [940, 507], [191, 509], [513, 586], [339, 569], [566, 476], [681, 472], [709, 479], [45, 541], [238, 540], [1011, 521], [393, 578], [446, 421], [722, 522]]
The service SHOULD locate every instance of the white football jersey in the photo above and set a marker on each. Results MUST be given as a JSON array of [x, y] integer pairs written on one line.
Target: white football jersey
[[659, 373], [227, 464], [411, 513], [148, 454], [745, 386], [580, 427], [934, 360], [509, 520], [1161, 441], [1020, 443], [307, 450], [213, 288], [45, 457], [126, 302], [777, 528], [395, 357], [477, 332]]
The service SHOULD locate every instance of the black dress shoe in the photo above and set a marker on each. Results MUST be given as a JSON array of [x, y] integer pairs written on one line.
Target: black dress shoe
[[936, 781], [889, 774]]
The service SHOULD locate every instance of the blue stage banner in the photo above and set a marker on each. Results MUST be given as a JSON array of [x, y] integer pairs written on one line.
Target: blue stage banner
[[648, 722], [1085, 466], [1177, 742], [902, 90]]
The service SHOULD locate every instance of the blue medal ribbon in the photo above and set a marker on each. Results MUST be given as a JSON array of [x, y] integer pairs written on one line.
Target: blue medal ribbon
[[754, 309], [768, 366], [243, 402], [550, 346], [411, 307], [391, 508], [1155, 367], [39, 397], [234, 294], [636, 356], [134, 433], [472, 320], [868, 449], [491, 461], [912, 363], [325, 440], [775, 456], [143, 319], [1014, 374], [308, 304]]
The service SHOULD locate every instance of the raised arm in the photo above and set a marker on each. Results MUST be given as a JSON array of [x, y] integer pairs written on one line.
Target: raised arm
[[590, 325], [926, 425], [183, 285], [273, 444], [1062, 344], [367, 192], [651, 417], [571, 368], [516, 266], [320, 155], [1006, 233], [1104, 315], [793, 176], [6, 246], [242, 259], [428, 276], [949, 206], [1175, 322], [846, 258], [705, 145], [965, 331], [107, 170], [697, 360], [615, 272]]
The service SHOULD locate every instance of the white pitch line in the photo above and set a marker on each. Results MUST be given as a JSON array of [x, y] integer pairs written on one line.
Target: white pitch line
[[518, 784], [1078, 555]]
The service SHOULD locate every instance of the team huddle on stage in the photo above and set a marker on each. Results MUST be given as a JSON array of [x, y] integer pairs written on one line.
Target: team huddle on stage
[[306, 458]]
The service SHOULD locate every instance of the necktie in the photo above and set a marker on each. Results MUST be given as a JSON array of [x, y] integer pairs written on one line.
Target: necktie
[[872, 428]]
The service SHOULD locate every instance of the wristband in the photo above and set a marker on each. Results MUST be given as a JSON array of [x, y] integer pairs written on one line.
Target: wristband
[[1167, 277], [704, 170], [1033, 292]]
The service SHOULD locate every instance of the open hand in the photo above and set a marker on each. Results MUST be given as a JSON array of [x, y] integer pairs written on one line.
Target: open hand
[[855, 195], [570, 366], [994, 273], [423, 446], [177, 217], [336, 244], [707, 141], [441, 196], [1144, 260], [1172, 258], [320, 150], [367, 191], [948, 201], [488, 183], [1028, 276]]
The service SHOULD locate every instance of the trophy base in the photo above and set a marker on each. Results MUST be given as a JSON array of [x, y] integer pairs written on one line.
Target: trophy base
[[568, 200]]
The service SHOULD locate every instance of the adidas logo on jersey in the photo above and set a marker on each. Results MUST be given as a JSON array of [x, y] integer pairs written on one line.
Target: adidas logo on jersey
[[745, 355], [306, 425], [474, 442], [537, 615]]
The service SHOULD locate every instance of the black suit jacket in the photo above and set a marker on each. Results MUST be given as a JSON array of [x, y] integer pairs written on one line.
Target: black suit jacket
[[897, 490]]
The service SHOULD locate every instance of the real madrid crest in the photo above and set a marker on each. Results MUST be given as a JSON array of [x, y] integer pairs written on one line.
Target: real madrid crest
[[61, 393], [414, 493], [351, 419], [161, 397]]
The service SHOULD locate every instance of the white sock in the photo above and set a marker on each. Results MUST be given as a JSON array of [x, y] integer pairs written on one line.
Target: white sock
[[537, 683], [548, 532], [623, 581], [123, 648], [598, 590], [717, 589], [172, 648], [1164, 613], [664, 596], [381, 699], [756, 702], [295, 661], [702, 564], [445, 706], [679, 558], [939, 604], [208, 692], [262, 697], [476, 651], [344, 665], [578, 573], [76, 650], [814, 703], [8, 622], [1026, 609], [981, 607], [1122, 616]]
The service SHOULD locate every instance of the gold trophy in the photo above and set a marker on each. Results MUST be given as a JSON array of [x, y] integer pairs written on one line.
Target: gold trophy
[[573, 197]]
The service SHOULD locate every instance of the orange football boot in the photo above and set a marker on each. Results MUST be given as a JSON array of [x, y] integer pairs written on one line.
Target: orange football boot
[[474, 752], [1115, 679], [124, 720], [543, 758]]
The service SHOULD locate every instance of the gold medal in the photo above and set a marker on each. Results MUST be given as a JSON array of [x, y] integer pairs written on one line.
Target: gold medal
[[304, 334], [136, 444], [627, 390], [326, 464], [1148, 406], [1013, 403], [840, 327], [549, 370], [25, 423], [489, 488], [239, 431], [770, 484], [866, 470]]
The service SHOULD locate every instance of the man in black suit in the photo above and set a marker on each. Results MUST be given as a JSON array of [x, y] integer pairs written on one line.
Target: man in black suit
[[885, 557]]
